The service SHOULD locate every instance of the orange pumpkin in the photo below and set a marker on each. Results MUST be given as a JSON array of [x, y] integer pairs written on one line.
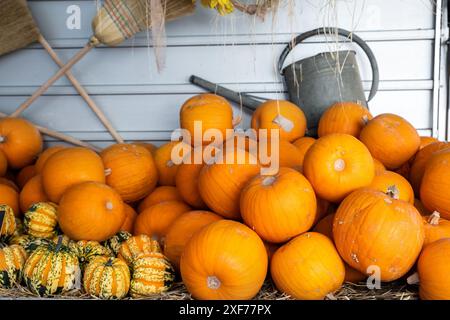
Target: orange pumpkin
[[182, 230], [90, 211], [156, 220], [371, 228], [280, 115], [147, 145], [167, 169], [3, 164], [336, 165], [130, 218], [344, 117], [436, 228], [10, 197], [421, 208], [9, 183], [225, 260], [25, 175], [279, 207], [287, 155], [208, 110], [221, 183], [160, 194], [303, 144], [130, 170], [324, 208], [394, 185], [20, 141], [391, 139], [379, 167], [69, 167], [432, 268], [325, 227], [420, 162], [405, 169], [435, 185], [425, 141], [43, 157], [186, 179], [32, 193], [308, 267]]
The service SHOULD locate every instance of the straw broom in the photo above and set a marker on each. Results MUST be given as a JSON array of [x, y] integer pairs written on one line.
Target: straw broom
[[115, 22], [18, 30]]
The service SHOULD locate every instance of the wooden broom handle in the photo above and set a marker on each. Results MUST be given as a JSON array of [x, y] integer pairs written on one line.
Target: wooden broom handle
[[53, 79], [81, 91], [61, 136]]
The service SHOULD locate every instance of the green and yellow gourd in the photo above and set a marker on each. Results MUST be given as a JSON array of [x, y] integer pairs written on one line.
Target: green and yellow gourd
[[12, 259], [88, 250], [107, 278], [137, 246], [41, 220], [116, 241], [7, 222], [52, 269], [29, 243], [152, 274], [20, 228]]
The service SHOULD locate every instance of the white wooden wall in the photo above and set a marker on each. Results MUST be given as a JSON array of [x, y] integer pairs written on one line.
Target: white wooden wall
[[237, 51]]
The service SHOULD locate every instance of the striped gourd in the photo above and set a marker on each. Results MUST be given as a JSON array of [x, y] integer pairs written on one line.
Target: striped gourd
[[115, 241], [137, 246], [152, 274], [41, 220], [20, 228], [88, 250], [12, 259], [52, 269], [7, 222], [29, 243], [107, 278]]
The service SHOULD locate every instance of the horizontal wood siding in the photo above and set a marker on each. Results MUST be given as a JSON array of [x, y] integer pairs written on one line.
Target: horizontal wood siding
[[237, 51]]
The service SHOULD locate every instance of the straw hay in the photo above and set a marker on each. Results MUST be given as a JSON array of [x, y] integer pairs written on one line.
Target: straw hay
[[389, 291]]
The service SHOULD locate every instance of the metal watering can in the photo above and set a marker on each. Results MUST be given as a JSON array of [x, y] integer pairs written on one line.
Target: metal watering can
[[314, 83]]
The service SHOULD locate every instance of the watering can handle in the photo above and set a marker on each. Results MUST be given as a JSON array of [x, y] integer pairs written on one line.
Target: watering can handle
[[341, 32]]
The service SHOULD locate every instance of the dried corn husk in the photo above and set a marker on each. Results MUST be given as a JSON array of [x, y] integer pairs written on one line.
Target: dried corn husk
[[118, 20]]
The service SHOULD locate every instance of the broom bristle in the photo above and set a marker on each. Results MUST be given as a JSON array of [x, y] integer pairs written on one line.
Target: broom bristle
[[118, 20], [17, 27]]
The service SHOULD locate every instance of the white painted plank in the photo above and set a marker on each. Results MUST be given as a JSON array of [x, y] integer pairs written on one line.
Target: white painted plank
[[355, 15], [229, 64]]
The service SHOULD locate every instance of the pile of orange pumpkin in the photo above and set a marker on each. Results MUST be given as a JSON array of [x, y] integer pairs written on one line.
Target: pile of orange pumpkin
[[368, 197]]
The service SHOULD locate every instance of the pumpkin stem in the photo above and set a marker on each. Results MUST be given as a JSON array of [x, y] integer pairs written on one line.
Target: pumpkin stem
[[268, 181], [108, 171], [109, 205], [109, 263], [284, 123], [170, 164], [365, 119], [339, 165], [393, 192], [330, 296], [434, 218], [59, 244], [213, 282], [413, 279]]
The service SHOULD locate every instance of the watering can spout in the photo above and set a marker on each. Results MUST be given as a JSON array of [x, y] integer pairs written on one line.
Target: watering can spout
[[248, 102]]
